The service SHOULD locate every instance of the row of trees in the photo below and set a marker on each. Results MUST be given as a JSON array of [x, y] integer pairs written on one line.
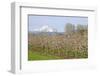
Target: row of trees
[[72, 44], [72, 28]]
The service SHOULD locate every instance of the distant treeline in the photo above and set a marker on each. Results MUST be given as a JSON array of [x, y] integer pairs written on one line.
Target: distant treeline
[[74, 28]]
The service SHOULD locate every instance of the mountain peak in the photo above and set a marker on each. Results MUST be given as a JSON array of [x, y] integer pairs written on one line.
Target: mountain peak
[[46, 28]]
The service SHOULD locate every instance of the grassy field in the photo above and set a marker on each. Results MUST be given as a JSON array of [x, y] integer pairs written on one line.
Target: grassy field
[[39, 56], [69, 55]]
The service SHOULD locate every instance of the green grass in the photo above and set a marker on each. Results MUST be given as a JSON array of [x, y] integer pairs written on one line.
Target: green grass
[[33, 55], [38, 56]]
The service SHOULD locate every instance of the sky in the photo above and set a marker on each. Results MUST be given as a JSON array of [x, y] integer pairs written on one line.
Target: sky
[[56, 22]]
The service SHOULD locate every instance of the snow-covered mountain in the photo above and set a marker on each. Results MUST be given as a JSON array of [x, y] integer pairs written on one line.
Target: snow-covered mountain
[[45, 28]]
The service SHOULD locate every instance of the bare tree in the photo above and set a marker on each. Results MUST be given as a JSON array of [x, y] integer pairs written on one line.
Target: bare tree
[[69, 28], [82, 28]]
